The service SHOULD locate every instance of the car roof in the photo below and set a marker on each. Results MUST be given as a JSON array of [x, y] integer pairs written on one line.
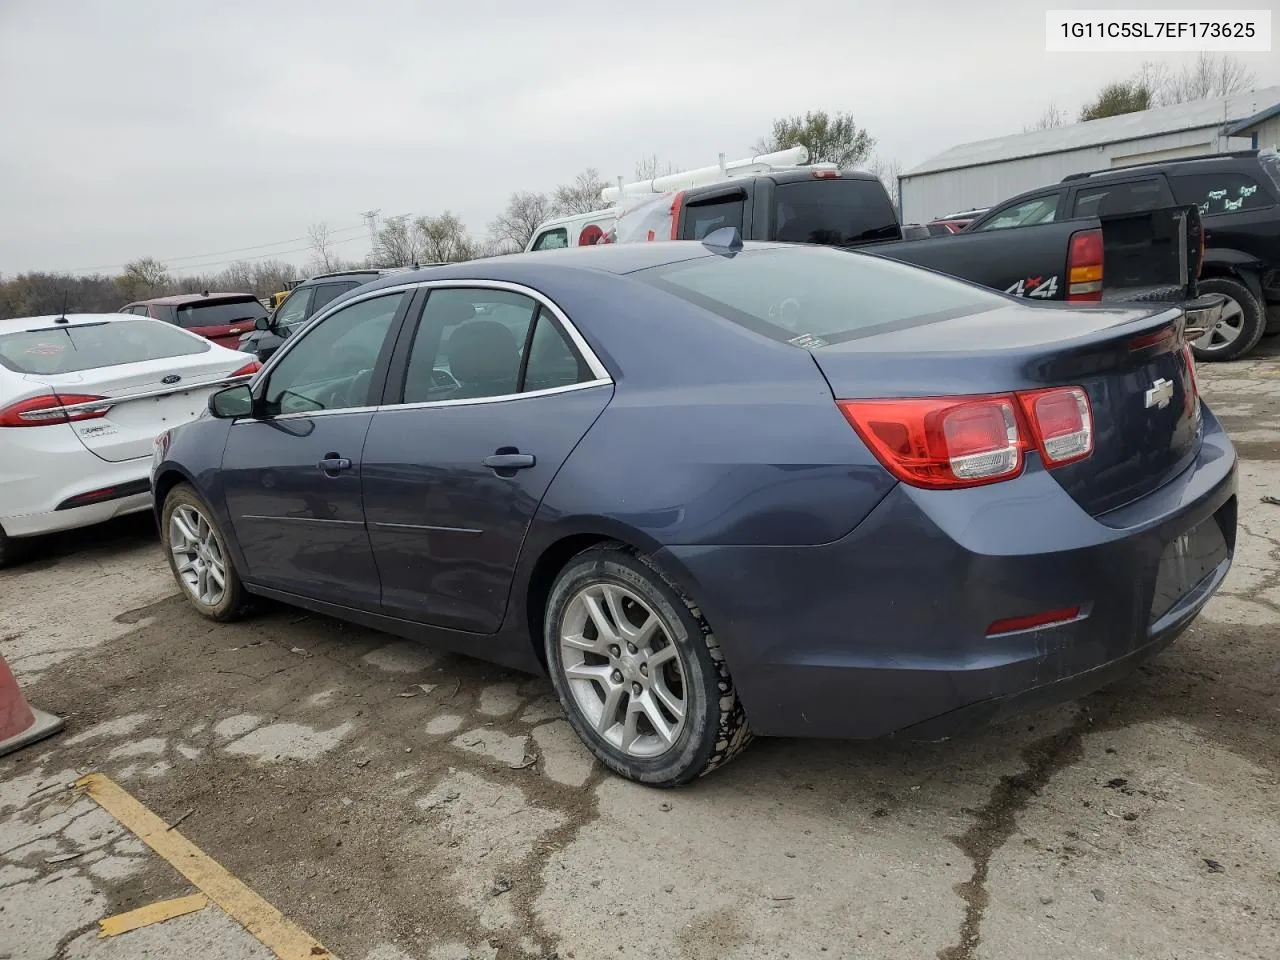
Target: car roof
[[180, 299], [14, 324], [609, 258]]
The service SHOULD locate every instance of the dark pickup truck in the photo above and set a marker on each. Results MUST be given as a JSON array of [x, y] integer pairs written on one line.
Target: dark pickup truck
[[1120, 255]]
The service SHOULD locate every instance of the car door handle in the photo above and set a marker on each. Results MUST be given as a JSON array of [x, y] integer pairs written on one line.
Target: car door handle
[[509, 461], [332, 465]]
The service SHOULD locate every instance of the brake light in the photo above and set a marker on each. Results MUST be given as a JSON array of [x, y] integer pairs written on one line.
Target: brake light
[[825, 174], [248, 370], [1157, 337], [1084, 266], [946, 443], [1061, 422], [676, 203], [40, 411], [941, 443], [1192, 389]]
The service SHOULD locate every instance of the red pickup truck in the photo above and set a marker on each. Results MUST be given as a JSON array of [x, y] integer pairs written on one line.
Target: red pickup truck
[[220, 317]]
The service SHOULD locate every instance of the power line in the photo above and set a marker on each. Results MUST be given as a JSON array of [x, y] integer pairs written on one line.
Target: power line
[[261, 256], [216, 253]]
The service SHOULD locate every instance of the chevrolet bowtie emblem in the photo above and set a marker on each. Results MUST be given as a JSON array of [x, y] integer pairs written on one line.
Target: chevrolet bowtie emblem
[[1160, 393]]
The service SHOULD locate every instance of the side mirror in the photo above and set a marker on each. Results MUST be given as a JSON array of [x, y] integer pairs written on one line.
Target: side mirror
[[232, 402], [262, 323]]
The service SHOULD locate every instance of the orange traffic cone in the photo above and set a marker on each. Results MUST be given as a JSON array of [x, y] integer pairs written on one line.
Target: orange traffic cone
[[19, 723]]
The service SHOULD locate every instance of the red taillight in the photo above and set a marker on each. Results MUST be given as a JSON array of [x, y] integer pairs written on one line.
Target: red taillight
[[941, 443], [945, 443], [1084, 266], [825, 174], [1062, 423], [41, 411], [1031, 621], [676, 203], [1161, 336], [248, 370], [1192, 387]]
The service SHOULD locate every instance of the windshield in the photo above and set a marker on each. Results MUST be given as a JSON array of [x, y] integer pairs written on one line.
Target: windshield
[[218, 313], [71, 348], [816, 295]]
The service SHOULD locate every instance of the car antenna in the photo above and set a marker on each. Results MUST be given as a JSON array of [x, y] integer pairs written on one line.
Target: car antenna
[[62, 317], [726, 240]]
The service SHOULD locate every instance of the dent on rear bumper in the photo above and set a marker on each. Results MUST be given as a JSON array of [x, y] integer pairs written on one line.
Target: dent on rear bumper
[[885, 630]]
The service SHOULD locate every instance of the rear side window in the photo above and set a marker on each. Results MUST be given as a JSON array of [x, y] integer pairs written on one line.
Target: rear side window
[[326, 292], [71, 348], [1131, 197], [815, 295], [1025, 214], [552, 240], [219, 313], [833, 212], [702, 218], [1221, 192]]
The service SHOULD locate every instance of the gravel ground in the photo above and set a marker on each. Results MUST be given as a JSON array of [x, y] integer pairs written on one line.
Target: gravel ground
[[404, 805]]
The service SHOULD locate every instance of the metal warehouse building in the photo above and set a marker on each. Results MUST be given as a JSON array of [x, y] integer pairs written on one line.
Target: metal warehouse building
[[983, 173]]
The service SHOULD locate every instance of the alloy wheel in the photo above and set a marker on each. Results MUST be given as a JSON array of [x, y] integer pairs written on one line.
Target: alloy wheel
[[1226, 331], [198, 555], [624, 672]]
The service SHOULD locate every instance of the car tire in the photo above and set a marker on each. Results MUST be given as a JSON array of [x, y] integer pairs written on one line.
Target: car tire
[[1243, 322], [620, 708], [197, 550]]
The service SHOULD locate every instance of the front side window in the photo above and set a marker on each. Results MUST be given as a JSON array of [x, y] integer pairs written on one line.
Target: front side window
[[1220, 192], [331, 367], [1025, 214], [71, 348], [1116, 198], [294, 310], [814, 295], [326, 292], [472, 343], [219, 313], [552, 240]]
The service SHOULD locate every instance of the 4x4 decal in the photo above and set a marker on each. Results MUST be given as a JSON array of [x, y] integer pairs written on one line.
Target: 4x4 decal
[[1035, 287]]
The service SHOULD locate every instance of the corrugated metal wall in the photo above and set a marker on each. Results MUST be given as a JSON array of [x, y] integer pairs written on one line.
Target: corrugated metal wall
[[930, 195], [1268, 134]]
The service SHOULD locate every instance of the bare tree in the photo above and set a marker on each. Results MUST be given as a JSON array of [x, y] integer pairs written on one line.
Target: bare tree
[[321, 248], [1052, 117], [888, 171], [581, 196], [650, 168], [143, 278], [1209, 75], [514, 227], [398, 244], [444, 239]]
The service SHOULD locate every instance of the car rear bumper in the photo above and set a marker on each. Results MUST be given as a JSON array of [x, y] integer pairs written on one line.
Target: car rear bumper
[[885, 630], [39, 489]]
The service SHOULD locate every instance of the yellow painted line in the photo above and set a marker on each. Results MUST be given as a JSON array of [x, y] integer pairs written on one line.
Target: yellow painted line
[[273, 929], [152, 913]]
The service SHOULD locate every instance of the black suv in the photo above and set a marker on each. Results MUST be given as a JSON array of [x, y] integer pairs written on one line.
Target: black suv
[[1239, 199], [303, 302]]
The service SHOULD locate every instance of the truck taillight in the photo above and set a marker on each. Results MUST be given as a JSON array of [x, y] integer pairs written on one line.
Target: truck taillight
[[676, 203], [1084, 266], [946, 443], [40, 411]]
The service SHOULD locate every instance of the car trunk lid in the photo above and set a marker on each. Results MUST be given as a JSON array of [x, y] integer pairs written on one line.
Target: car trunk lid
[[1132, 365]]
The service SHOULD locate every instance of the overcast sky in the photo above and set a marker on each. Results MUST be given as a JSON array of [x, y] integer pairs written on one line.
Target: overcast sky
[[173, 129]]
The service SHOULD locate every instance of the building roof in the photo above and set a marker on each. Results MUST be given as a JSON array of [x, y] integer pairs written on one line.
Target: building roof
[[1236, 112], [1262, 116]]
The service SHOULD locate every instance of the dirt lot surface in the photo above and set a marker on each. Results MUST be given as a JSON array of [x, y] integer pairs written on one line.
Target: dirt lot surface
[[396, 803]]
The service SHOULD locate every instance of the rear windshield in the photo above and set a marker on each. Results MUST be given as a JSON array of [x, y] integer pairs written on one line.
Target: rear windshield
[[834, 212], [219, 313], [71, 348], [1270, 163], [815, 295]]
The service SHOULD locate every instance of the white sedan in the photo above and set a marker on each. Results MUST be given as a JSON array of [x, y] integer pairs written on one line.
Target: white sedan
[[82, 398]]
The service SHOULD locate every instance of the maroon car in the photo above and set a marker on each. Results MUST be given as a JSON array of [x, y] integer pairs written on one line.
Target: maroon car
[[220, 317]]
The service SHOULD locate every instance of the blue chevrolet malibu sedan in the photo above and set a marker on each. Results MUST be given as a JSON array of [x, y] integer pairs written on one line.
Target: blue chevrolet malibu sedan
[[716, 491]]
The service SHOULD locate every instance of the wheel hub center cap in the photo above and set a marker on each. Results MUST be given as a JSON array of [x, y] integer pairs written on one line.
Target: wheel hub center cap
[[629, 664]]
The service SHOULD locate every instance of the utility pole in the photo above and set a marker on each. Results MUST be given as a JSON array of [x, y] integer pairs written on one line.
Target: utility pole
[[371, 218]]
